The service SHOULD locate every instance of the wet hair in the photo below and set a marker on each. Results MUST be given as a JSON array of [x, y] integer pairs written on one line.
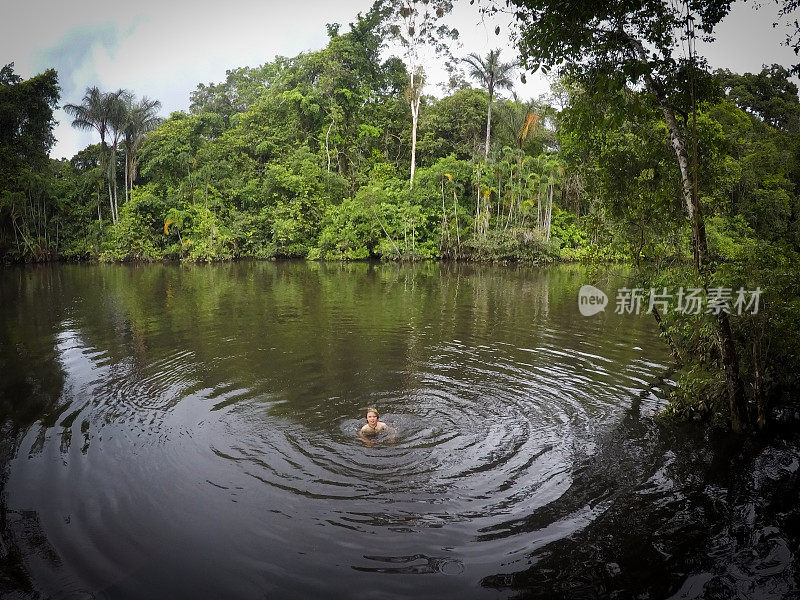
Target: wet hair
[[373, 409]]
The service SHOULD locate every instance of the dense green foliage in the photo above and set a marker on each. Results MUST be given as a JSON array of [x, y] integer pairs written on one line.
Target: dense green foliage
[[618, 146], [310, 157], [682, 162], [27, 211]]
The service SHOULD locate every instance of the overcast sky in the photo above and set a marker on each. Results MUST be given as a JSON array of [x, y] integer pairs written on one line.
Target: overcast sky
[[163, 48]]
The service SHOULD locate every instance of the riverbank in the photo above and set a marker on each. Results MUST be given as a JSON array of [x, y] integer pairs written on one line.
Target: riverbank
[[522, 246]]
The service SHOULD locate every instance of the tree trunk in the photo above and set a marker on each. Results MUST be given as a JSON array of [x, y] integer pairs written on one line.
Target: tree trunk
[[550, 214], [539, 208], [730, 360], [113, 175], [737, 403], [415, 101], [488, 127], [761, 399], [134, 167], [104, 168], [445, 226], [699, 244], [111, 203], [327, 151], [414, 118], [126, 176], [99, 216], [478, 207], [455, 215]]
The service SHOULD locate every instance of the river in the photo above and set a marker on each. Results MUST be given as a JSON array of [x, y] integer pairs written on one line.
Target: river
[[174, 431]]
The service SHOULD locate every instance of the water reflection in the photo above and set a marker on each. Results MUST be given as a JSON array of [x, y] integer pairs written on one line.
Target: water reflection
[[178, 430], [425, 565], [684, 514]]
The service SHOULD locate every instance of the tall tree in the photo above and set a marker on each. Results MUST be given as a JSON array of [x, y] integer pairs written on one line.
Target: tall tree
[[637, 42], [26, 115], [142, 118], [493, 75], [770, 95], [117, 103], [99, 111], [417, 25], [26, 136]]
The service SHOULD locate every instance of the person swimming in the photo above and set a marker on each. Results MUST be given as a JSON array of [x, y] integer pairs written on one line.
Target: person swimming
[[373, 425]]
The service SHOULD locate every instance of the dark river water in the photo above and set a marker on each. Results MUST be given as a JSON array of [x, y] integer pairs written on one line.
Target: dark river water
[[191, 432]]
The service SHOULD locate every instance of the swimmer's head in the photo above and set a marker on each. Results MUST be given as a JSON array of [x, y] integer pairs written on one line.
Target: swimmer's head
[[372, 416]]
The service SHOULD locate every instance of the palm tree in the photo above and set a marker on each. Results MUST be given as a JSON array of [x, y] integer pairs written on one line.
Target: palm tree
[[141, 119], [550, 174], [117, 119], [99, 111], [92, 113], [493, 75], [520, 119]]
